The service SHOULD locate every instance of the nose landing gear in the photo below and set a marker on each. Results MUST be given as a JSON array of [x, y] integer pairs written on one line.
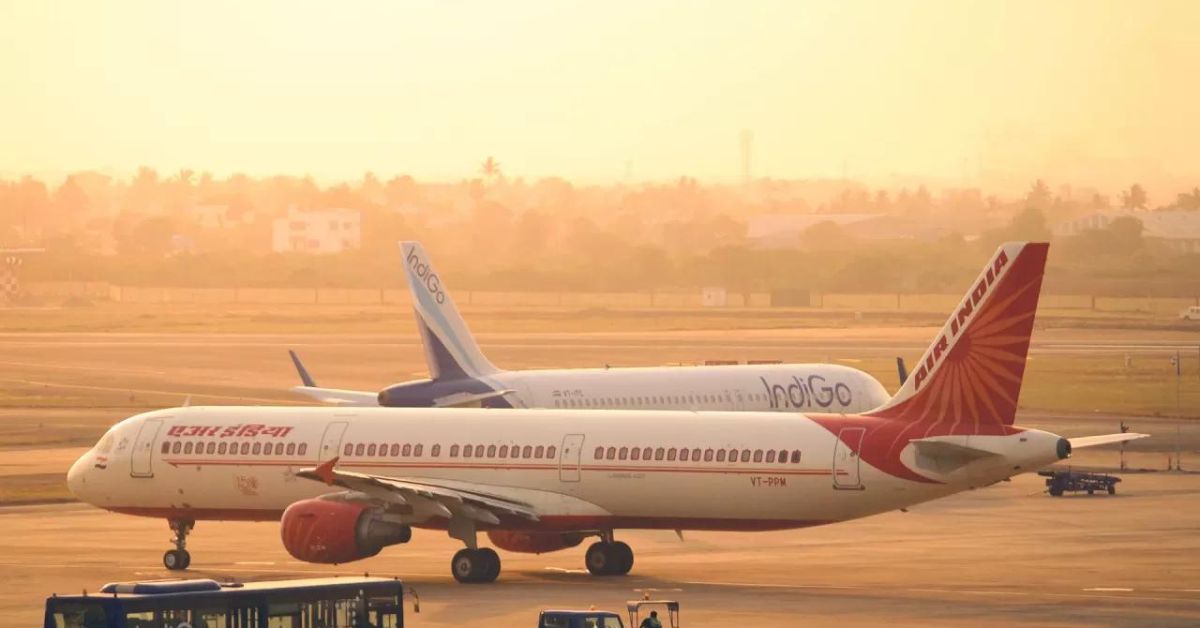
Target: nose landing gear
[[179, 559]]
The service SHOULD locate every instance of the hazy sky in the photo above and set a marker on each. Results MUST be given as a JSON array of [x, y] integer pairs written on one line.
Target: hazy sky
[[1080, 92]]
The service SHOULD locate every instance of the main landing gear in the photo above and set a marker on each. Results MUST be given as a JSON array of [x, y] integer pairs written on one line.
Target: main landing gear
[[178, 559], [608, 558], [475, 566]]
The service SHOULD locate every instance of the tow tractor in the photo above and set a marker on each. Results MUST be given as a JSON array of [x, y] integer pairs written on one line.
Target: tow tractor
[[609, 619], [1059, 482]]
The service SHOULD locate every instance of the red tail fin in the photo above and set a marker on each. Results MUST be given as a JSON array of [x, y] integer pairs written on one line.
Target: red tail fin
[[971, 374]]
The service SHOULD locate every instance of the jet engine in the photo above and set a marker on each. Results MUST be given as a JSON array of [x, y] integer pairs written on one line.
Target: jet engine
[[533, 542], [331, 531]]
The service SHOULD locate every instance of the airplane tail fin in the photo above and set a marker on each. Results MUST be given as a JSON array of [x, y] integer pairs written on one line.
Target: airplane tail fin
[[450, 350], [971, 374]]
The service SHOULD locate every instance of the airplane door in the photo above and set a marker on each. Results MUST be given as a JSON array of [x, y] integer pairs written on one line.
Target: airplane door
[[845, 458], [143, 449], [569, 459], [331, 443]]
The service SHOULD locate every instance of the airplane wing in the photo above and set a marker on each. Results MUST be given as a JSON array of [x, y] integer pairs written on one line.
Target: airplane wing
[[468, 399], [338, 397], [1107, 439], [442, 500]]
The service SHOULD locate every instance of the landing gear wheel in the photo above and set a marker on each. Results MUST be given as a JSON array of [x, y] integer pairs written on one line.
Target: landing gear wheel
[[608, 559], [1112, 489], [177, 560], [624, 555], [475, 566]]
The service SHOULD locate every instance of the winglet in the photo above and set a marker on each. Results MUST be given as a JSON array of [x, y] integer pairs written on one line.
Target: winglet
[[304, 376], [324, 471]]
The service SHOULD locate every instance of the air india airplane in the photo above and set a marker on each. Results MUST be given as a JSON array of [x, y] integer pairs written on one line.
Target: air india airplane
[[461, 376], [345, 483]]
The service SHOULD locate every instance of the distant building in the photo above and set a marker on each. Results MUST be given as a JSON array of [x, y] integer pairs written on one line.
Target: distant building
[[1180, 230], [784, 231], [322, 231]]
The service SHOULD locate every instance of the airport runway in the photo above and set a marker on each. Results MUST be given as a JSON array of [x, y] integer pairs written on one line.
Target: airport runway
[[1006, 555]]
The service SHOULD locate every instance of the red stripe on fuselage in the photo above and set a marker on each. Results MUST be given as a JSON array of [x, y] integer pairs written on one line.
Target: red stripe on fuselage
[[550, 523]]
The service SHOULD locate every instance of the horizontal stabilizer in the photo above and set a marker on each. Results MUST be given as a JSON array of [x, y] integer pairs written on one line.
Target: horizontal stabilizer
[[468, 399], [1106, 439], [338, 397]]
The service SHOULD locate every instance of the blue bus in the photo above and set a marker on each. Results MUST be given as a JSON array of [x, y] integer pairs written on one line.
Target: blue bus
[[311, 603]]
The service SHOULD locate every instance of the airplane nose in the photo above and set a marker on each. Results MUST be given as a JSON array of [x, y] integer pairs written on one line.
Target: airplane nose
[[77, 477]]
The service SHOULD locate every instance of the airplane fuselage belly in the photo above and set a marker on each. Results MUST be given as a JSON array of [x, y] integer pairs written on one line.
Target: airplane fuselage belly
[[570, 492]]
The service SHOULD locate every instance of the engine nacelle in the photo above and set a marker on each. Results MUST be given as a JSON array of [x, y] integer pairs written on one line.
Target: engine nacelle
[[331, 531], [534, 542]]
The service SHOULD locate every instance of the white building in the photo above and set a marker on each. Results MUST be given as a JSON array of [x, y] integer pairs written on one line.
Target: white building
[[321, 231]]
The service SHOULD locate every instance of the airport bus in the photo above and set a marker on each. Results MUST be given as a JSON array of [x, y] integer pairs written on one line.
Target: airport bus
[[311, 603]]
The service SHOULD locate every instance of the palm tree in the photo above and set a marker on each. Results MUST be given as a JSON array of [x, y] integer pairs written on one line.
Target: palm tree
[[490, 168]]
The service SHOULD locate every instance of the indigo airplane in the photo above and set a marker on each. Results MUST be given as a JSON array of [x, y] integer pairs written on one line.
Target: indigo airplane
[[460, 375], [344, 483]]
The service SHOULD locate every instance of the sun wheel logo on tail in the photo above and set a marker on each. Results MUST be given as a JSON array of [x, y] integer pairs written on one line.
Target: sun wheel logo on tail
[[969, 379]]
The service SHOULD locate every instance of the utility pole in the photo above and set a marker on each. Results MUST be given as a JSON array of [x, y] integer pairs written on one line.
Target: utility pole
[[1124, 428]]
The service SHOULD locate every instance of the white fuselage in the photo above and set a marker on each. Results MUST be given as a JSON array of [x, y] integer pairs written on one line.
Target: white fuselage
[[578, 472], [753, 388]]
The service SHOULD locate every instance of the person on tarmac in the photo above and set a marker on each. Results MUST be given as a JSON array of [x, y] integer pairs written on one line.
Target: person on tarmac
[[651, 621]]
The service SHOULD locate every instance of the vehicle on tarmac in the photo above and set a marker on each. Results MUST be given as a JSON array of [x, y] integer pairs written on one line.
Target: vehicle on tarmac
[[1190, 314], [1067, 481], [608, 619], [460, 375], [329, 602], [345, 483]]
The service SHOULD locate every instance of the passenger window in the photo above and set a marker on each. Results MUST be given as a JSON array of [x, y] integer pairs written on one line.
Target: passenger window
[[246, 449], [479, 451], [435, 451], [176, 447], [770, 455], [599, 454], [659, 453], [783, 456], [671, 453], [623, 453], [405, 451], [696, 454], [360, 449], [467, 451], [708, 455], [370, 449], [187, 449], [516, 452], [348, 449], [504, 451], [223, 448], [550, 451], [527, 451], [233, 449], [683, 455], [279, 449], [636, 454], [303, 448], [417, 450], [647, 452], [257, 449], [491, 451], [291, 448], [720, 455], [758, 453], [612, 453], [796, 456], [454, 451], [383, 449], [166, 448], [746, 455]]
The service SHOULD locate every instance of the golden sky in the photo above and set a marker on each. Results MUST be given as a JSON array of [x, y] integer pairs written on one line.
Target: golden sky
[[959, 92]]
